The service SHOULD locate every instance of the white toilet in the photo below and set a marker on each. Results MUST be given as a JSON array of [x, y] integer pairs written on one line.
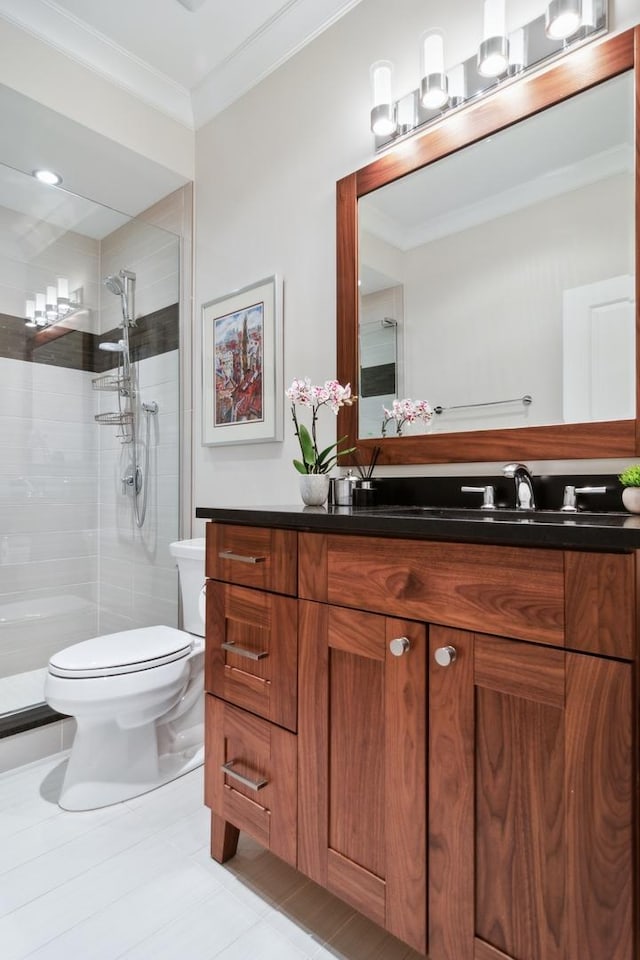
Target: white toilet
[[138, 699]]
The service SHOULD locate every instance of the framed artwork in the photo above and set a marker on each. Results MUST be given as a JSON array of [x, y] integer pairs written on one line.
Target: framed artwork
[[242, 391]]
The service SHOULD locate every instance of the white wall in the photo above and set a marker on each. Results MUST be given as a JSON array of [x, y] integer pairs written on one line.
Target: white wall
[[265, 202]]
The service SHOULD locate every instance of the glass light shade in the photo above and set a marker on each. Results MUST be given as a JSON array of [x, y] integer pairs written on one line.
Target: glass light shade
[[433, 87], [52, 297], [493, 55], [40, 303], [382, 112], [63, 288], [30, 309], [432, 53], [494, 19], [562, 19]]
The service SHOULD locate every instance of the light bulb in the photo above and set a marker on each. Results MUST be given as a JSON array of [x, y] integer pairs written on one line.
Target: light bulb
[[382, 113], [562, 19], [433, 88]]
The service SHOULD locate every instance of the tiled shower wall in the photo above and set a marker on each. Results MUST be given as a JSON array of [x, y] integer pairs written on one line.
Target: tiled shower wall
[[72, 561]]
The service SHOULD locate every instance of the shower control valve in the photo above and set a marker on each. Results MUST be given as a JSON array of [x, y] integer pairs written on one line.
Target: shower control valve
[[128, 481]]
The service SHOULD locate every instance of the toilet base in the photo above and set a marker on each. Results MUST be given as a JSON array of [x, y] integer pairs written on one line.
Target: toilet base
[[108, 765]]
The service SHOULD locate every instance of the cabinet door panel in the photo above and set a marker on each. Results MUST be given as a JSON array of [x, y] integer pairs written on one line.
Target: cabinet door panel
[[362, 763], [530, 845]]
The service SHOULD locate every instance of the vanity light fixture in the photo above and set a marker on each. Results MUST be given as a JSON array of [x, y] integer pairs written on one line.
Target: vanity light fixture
[[562, 19], [493, 52], [46, 309], [433, 86], [49, 177], [382, 110], [558, 28]]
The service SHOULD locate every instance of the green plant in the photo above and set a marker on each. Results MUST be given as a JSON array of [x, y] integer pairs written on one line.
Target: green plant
[[631, 476], [331, 394]]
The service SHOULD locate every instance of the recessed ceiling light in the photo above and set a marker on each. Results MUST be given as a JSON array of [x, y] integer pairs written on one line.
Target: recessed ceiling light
[[48, 177]]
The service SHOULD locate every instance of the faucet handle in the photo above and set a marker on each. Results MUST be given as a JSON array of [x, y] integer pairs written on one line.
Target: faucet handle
[[569, 503], [488, 495]]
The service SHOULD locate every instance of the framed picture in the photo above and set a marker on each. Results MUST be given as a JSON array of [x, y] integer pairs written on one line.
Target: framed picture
[[242, 365]]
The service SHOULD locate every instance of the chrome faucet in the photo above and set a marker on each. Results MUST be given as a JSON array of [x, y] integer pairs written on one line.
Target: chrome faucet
[[525, 499]]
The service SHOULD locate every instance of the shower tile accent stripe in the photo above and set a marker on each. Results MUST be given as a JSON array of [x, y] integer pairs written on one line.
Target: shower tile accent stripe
[[153, 334]]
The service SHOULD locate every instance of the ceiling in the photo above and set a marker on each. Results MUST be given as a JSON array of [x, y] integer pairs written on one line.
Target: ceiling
[[188, 58]]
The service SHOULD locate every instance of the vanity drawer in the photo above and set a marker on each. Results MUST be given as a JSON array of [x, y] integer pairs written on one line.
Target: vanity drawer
[[252, 557], [502, 590], [252, 651], [257, 791]]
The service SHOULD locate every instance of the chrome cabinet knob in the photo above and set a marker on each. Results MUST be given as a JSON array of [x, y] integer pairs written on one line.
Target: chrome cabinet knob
[[399, 645], [445, 656]]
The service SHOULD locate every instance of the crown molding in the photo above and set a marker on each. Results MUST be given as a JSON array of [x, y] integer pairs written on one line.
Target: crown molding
[[295, 24], [77, 40]]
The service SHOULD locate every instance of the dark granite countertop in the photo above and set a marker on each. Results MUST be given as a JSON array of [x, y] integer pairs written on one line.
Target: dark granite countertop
[[588, 531]]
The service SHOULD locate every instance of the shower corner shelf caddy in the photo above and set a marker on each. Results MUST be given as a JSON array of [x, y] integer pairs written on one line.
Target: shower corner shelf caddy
[[123, 387]]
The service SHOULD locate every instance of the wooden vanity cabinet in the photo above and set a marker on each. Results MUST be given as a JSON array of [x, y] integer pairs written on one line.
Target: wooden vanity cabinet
[[461, 767]]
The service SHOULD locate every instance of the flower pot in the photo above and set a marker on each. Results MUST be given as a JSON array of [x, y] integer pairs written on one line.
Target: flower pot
[[314, 488], [631, 499]]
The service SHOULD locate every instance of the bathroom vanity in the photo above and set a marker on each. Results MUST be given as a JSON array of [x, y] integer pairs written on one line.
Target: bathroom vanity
[[434, 717]]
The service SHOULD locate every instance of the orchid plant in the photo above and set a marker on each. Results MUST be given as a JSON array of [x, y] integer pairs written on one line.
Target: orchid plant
[[331, 394], [406, 411]]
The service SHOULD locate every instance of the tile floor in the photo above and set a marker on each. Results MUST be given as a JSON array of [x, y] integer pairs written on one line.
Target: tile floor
[[136, 881]]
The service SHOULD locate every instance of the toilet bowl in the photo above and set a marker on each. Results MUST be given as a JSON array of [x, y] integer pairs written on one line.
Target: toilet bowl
[[137, 697]]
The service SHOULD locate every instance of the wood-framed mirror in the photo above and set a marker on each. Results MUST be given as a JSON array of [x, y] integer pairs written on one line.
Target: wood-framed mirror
[[561, 433]]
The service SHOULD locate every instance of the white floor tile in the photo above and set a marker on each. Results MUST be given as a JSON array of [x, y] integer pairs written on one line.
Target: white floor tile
[[262, 941], [135, 881]]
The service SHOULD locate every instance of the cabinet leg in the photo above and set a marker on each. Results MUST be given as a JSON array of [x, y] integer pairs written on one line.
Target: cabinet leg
[[224, 839]]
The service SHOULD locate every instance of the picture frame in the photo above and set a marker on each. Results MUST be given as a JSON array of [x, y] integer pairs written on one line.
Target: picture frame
[[242, 389]]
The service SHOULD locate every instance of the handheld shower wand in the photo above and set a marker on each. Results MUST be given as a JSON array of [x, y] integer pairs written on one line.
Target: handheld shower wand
[[123, 285]]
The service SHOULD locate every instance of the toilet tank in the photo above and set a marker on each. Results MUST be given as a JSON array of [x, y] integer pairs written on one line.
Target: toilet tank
[[189, 556]]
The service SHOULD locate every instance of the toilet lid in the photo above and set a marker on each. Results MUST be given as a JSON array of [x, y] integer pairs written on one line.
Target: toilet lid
[[126, 652]]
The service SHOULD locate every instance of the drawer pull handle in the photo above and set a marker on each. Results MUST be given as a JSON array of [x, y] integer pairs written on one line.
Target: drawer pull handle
[[241, 557], [243, 652], [399, 646], [445, 656], [227, 768]]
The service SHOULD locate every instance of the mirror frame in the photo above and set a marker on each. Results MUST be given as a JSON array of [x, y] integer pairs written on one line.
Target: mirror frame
[[578, 71]]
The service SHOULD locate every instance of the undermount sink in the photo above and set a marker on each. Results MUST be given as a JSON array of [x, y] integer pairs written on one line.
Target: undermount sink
[[507, 515]]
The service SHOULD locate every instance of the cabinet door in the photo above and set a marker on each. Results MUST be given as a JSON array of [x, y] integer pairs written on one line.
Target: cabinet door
[[530, 802], [362, 763]]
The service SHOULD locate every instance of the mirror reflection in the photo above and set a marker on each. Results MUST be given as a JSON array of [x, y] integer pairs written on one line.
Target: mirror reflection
[[498, 282]]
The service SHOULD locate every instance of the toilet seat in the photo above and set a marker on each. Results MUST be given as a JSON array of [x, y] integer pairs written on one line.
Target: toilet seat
[[130, 651]]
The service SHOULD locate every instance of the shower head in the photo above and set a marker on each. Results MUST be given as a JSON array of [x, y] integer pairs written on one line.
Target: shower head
[[123, 285], [114, 284]]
